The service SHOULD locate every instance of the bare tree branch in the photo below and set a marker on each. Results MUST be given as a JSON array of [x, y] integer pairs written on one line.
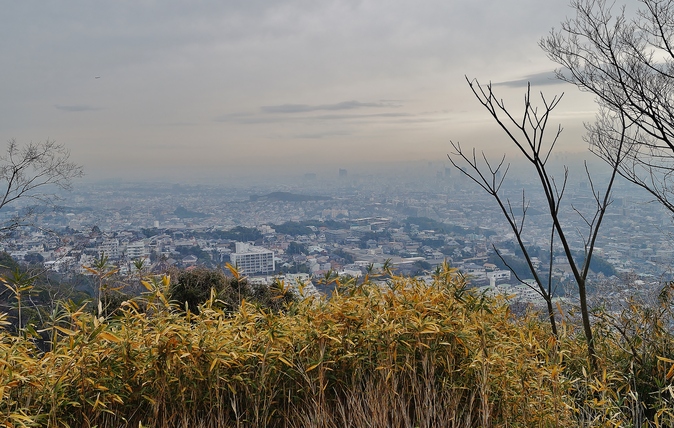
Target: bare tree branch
[[529, 136], [33, 172], [628, 64]]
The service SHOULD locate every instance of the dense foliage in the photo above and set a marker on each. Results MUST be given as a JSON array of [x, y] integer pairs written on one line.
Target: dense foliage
[[293, 228], [297, 248], [238, 233], [425, 223], [302, 227]]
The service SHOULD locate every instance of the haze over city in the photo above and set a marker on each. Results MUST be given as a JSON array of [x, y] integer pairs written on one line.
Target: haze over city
[[206, 91]]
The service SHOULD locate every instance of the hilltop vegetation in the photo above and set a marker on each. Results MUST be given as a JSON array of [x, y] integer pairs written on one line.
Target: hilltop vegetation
[[425, 223], [238, 233], [407, 354]]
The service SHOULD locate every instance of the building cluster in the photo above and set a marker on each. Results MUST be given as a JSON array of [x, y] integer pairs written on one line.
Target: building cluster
[[359, 224]]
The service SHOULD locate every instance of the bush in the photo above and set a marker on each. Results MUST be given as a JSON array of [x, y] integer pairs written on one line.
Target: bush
[[191, 288]]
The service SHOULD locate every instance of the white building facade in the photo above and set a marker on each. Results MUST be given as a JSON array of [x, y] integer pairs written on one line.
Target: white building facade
[[136, 250], [251, 260], [110, 249]]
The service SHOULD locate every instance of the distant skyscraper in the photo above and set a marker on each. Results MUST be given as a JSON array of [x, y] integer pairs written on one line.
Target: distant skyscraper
[[342, 172]]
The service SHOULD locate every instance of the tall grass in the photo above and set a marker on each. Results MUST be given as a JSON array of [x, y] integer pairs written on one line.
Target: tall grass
[[407, 354]]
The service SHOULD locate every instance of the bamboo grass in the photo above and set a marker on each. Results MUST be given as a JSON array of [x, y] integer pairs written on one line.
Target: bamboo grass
[[405, 354]]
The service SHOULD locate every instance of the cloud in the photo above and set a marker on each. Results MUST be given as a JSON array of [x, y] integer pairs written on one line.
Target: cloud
[[319, 135], [82, 107], [359, 116], [248, 118], [538, 79], [304, 108]]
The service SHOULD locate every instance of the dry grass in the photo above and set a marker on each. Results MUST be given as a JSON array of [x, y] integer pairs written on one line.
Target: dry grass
[[406, 355]]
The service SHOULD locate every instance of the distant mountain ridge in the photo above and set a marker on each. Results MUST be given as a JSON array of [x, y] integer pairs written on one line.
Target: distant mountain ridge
[[287, 197]]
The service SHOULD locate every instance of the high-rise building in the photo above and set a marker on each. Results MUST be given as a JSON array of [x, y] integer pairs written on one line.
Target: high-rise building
[[251, 260]]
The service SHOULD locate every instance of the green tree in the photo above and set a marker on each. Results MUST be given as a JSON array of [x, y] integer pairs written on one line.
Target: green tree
[[192, 288], [33, 258], [194, 250], [297, 248], [293, 228]]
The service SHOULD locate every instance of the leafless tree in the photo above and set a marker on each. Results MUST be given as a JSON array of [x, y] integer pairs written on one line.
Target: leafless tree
[[34, 171], [528, 134], [628, 64]]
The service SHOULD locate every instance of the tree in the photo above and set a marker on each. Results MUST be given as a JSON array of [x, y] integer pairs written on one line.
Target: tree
[[192, 288], [528, 134], [31, 171], [297, 248], [628, 65]]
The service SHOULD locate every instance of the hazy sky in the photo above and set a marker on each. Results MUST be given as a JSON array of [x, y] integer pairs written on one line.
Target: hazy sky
[[205, 88]]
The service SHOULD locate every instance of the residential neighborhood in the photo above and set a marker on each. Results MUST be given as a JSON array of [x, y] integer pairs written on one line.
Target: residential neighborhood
[[348, 226]]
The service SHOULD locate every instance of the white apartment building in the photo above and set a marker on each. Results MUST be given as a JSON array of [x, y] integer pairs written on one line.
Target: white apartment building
[[109, 248], [136, 250], [251, 260], [499, 275]]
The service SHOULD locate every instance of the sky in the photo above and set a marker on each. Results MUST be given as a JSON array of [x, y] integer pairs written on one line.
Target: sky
[[205, 90]]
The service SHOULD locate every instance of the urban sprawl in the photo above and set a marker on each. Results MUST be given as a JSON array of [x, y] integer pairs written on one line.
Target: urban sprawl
[[306, 228]]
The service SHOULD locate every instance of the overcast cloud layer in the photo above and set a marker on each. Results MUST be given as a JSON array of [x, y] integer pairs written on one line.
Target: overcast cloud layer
[[199, 89]]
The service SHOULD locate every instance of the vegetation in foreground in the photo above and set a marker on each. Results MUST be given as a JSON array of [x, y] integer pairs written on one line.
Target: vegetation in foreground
[[405, 354]]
